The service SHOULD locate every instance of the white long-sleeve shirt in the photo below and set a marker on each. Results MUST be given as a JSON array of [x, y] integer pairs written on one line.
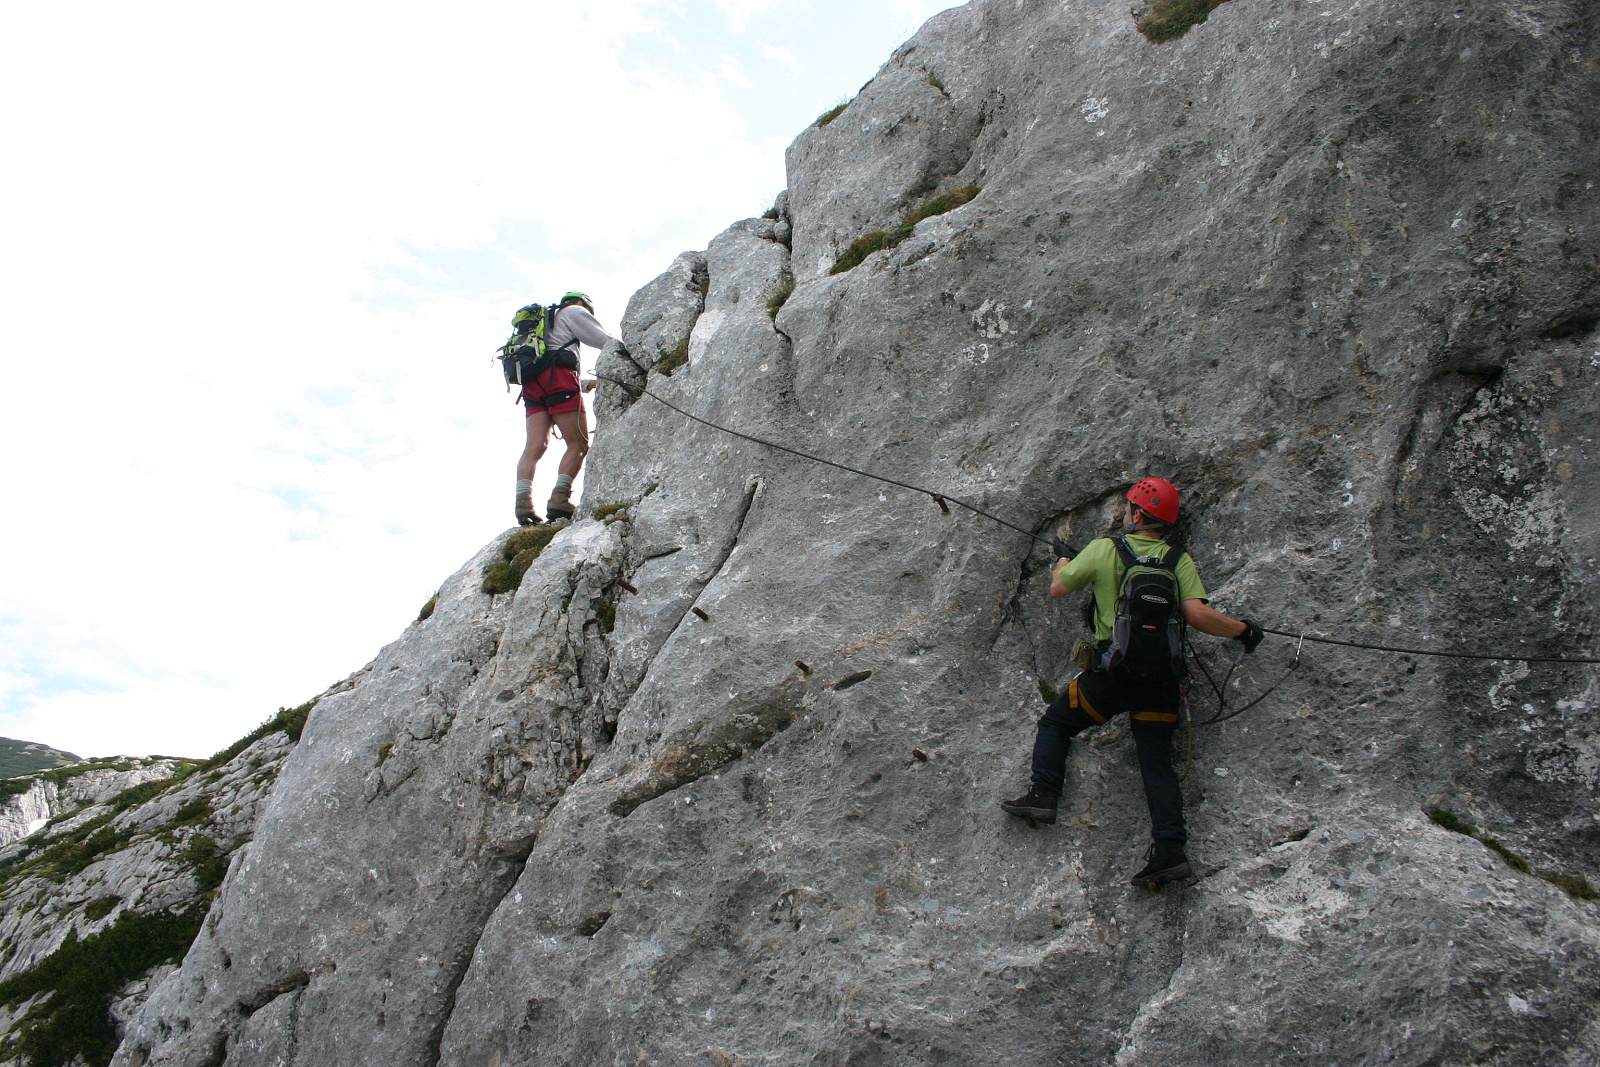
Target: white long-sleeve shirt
[[574, 321]]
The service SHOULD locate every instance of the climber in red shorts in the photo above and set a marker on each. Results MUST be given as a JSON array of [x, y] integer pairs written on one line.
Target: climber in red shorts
[[553, 398]]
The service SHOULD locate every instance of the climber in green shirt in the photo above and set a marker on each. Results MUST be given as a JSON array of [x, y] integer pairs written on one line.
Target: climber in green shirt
[[1140, 594]]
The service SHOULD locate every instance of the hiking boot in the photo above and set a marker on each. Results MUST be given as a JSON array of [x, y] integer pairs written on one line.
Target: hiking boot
[[559, 506], [1039, 805], [1165, 862], [526, 516]]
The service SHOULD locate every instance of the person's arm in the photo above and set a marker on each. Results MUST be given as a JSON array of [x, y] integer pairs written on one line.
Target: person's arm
[[1208, 620], [585, 327], [1056, 586]]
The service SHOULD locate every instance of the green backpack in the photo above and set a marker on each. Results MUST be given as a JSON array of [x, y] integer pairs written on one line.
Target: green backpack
[[525, 356]]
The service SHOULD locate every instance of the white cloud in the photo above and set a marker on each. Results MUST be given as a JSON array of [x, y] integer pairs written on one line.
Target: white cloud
[[779, 55]]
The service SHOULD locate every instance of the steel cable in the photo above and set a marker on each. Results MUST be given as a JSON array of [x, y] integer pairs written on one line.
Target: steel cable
[[1066, 550]]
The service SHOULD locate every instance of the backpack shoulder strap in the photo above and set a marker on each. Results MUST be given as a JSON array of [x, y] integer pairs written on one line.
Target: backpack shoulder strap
[[1128, 556]]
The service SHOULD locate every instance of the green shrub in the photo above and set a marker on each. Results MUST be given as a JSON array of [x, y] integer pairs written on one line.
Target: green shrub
[[609, 513], [76, 982], [770, 213], [290, 720], [504, 575], [206, 861], [778, 295], [427, 609], [1170, 19], [98, 909], [671, 361], [193, 813], [832, 113], [866, 244], [606, 613], [1047, 692]]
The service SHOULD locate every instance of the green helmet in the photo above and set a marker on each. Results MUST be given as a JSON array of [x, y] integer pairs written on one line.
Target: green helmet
[[575, 297]]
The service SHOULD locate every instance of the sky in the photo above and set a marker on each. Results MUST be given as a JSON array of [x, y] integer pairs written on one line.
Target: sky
[[254, 262]]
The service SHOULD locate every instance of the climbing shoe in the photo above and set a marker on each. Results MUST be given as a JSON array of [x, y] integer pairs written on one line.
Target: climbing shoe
[[526, 516], [1039, 805], [1165, 862], [559, 507]]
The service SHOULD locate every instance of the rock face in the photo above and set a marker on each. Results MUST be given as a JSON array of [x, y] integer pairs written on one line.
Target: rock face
[[1330, 267]]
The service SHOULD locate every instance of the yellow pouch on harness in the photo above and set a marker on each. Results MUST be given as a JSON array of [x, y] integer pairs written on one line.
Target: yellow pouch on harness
[[1083, 654]]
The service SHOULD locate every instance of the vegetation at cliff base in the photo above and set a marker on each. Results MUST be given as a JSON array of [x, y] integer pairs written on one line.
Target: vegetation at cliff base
[[868, 243], [1170, 19], [504, 575], [76, 984]]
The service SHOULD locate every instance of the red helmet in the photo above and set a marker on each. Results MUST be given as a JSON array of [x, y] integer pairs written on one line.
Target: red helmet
[[1156, 497]]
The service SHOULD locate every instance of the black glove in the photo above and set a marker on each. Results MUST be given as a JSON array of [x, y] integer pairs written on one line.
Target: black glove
[[1253, 635]]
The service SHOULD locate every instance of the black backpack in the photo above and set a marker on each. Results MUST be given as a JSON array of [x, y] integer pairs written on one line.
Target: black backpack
[[525, 356], [1147, 637]]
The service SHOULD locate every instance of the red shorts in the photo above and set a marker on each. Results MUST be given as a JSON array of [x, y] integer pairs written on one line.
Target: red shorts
[[546, 392]]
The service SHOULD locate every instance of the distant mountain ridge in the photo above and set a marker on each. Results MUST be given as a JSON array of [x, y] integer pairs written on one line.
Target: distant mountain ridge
[[25, 757]]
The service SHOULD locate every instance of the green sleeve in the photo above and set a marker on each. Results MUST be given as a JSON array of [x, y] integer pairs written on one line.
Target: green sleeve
[[1190, 587], [1080, 571]]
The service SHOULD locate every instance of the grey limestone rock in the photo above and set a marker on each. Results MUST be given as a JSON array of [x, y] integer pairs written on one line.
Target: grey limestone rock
[[1332, 267]]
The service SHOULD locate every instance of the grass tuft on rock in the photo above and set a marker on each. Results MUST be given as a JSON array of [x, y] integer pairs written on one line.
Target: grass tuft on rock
[[1575, 885], [609, 513], [427, 609], [937, 206], [671, 361], [1514, 861], [605, 613], [504, 575], [779, 295], [831, 114], [860, 249], [1047, 692], [1450, 822], [868, 243], [1169, 20]]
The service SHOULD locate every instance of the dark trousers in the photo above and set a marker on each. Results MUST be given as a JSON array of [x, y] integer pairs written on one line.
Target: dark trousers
[[1162, 792]]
